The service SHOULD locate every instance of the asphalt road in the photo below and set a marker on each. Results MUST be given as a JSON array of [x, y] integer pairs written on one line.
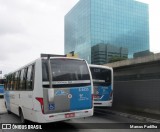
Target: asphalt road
[[80, 125]]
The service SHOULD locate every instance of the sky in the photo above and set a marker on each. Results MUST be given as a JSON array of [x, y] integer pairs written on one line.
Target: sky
[[31, 27], [154, 24]]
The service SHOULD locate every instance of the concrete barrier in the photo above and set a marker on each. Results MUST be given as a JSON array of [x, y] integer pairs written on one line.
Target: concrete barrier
[[137, 84], [139, 95]]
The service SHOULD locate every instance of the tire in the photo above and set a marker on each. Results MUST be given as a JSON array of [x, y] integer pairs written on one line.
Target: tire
[[23, 121], [9, 112]]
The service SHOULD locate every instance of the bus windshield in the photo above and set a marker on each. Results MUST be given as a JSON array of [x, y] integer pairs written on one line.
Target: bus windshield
[[66, 70], [101, 75]]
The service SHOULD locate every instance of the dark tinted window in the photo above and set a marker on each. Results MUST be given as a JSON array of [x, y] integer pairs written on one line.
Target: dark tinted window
[[8, 82], [101, 75], [30, 78], [67, 70], [12, 81], [45, 75], [16, 81], [22, 80]]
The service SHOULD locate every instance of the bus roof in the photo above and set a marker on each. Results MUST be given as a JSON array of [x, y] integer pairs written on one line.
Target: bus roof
[[100, 66], [38, 59]]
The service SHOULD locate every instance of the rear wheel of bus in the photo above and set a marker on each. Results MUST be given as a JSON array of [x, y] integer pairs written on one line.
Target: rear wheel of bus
[[21, 116]]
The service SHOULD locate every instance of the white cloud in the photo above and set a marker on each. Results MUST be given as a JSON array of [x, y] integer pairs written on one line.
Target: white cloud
[[30, 27], [154, 10], [155, 26]]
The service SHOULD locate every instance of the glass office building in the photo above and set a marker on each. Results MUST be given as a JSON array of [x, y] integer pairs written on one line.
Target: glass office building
[[122, 23]]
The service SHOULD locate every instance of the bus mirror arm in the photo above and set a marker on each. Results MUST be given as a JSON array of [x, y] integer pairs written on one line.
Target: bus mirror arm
[[51, 95]]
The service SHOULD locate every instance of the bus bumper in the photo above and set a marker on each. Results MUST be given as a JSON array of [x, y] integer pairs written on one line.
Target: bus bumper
[[47, 118], [103, 103]]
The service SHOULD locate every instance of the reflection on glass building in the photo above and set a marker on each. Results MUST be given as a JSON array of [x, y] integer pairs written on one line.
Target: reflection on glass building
[[121, 23], [105, 53]]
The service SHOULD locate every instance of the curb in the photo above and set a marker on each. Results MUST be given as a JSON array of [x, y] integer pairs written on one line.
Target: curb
[[140, 118], [4, 112]]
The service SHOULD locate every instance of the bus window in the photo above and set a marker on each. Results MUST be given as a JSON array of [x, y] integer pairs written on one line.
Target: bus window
[[13, 81], [101, 76], [9, 82], [21, 85], [45, 74], [16, 81], [29, 79], [6, 84], [63, 70]]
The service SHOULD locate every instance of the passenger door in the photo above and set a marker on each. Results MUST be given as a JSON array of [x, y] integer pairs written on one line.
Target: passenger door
[[26, 95]]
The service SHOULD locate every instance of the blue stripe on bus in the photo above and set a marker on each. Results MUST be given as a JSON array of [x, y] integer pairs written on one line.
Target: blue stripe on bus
[[1, 89], [104, 91], [81, 98]]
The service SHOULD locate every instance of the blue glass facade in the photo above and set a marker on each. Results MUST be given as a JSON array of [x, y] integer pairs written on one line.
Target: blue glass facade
[[122, 23]]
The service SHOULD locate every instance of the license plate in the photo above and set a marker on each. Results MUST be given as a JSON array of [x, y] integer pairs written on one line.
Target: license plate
[[96, 96], [69, 115]]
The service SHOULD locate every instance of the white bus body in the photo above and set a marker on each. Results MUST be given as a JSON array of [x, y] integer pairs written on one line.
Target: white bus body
[[50, 90], [103, 85]]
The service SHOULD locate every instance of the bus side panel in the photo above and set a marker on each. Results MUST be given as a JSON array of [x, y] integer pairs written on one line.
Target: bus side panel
[[68, 99], [26, 103], [37, 91], [11, 101], [14, 101], [103, 93], [61, 102], [81, 98]]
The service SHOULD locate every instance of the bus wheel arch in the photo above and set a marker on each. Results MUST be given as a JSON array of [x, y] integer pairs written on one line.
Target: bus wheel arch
[[21, 115]]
